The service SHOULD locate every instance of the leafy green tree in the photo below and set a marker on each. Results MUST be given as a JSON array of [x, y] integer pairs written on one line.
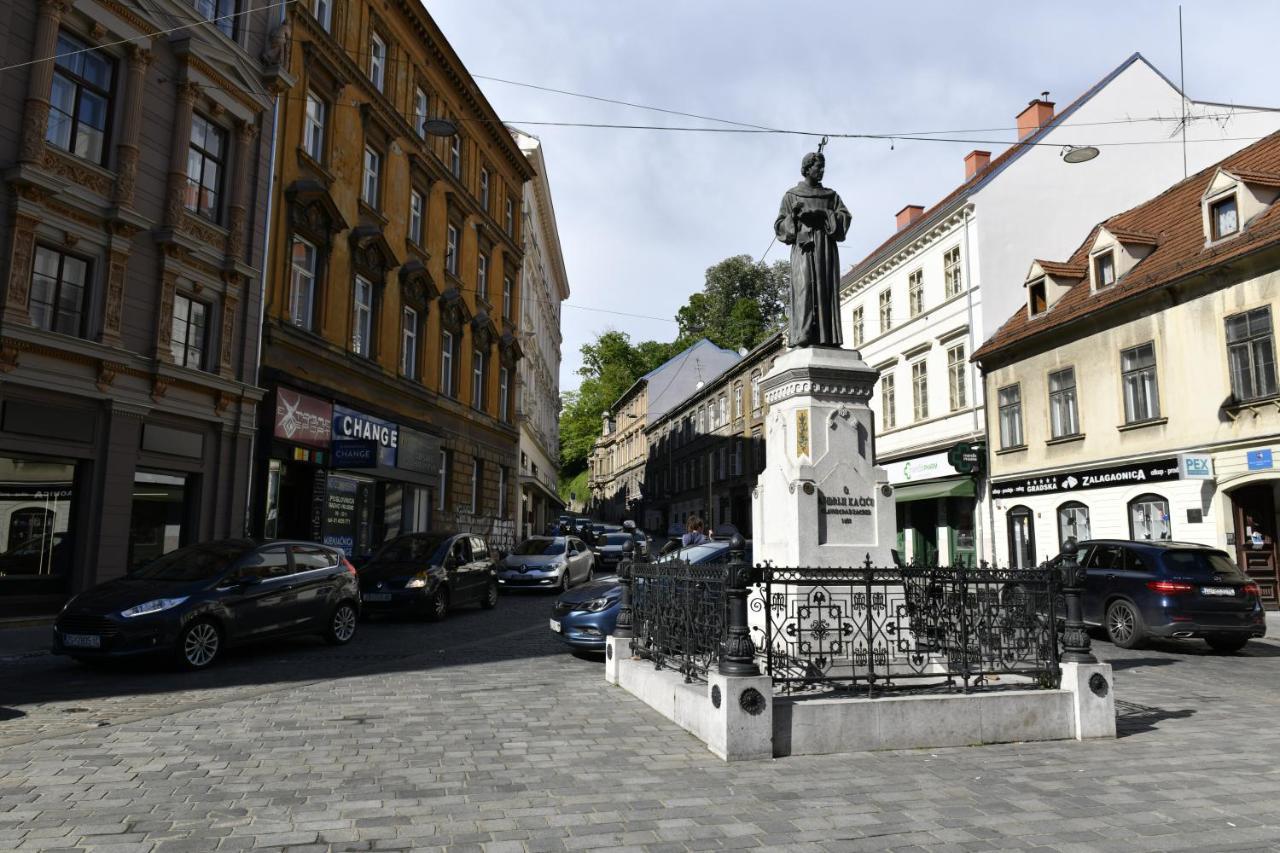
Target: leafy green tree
[[742, 302]]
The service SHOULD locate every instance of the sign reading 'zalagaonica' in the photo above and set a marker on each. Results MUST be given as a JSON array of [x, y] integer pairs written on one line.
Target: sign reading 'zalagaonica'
[[1155, 471]]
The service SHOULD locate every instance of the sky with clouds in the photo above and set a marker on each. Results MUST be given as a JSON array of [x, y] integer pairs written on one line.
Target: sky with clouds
[[643, 213]]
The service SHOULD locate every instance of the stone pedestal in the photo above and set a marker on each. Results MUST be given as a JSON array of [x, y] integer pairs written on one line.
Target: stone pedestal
[[1092, 689], [615, 650], [821, 502], [739, 726]]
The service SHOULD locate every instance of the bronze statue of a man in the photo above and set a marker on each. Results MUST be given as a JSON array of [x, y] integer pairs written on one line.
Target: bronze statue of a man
[[812, 220]]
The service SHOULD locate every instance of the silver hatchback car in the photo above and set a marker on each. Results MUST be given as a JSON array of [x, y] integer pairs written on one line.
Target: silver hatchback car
[[547, 562]]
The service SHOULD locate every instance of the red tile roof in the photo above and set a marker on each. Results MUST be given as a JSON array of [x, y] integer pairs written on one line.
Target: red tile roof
[[1254, 176], [1174, 218], [1060, 270], [1137, 238]]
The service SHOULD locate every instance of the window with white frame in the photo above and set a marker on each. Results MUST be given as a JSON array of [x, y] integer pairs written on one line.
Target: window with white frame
[[1251, 354], [377, 61], [724, 410], [1104, 269], [855, 327], [1138, 378], [953, 280], [888, 402], [755, 392], [886, 310], [447, 353], [484, 189], [477, 378], [420, 112], [302, 287], [409, 342], [451, 250], [737, 401], [372, 177], [482, 276], [1009, 399], [477, 475], [314, 126], [80, 99], [1073, 522], [455, 155], [510, 216], [362, 317], [1149, 518], [957, 391], [1037, 298], [416, 210], [915, 293], [920, 389], [190, 332], [322, 11], [504, 394], [1224, 217], [1064, 420]]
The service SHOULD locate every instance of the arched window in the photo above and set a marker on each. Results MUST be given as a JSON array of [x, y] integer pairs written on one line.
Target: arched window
[[1022, 538], [1149, 518], [1073, 522]]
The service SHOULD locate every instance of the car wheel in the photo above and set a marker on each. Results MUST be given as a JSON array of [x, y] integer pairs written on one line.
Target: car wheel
[[438, 604], [1124, 625], [1226, 643], [199, 644], [342, 624], [591, 571], [490, 599], [565, 581]]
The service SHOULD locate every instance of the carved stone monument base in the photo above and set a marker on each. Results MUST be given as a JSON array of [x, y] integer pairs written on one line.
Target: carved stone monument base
[[821, 502]]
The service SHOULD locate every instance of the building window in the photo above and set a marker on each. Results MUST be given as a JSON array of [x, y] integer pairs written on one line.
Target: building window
[[477, 378], [58, 283], [372, 177], [455, 155], [956, 366], [724, 410], [451, 250], [504, 394], [362, 318], [221, 13], [1104, 270], [1149, 518], [511, 217], [1138, 375], [420, 113], [1063, 418], [737, 401], [313, 127], [447, 353], [484, 189], [953, 281], [205, 158], [443, 477], [377, 61], [1022, 538], [886, 311], [477, 473], [1251, 354], [920, 389], [482, 276], [1037, 301], [888, 402], [1073, 523], [80, 100], [409, 342], [915, 293], [302, 290], [415, 217], [322, 11], [190, 324], [1223, 217], [1009, 399], [506, 297], [855, 327], [755, 392]]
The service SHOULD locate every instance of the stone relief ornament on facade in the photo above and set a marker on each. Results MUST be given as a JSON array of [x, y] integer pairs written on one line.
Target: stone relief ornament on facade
[[802, 432]]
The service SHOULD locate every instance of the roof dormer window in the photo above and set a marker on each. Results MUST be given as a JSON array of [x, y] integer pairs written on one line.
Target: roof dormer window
[[1037, 300], [1104, 270], [1224, 218]]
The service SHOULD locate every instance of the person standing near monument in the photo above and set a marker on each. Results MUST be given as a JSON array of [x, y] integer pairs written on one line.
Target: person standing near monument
[[812, 220]]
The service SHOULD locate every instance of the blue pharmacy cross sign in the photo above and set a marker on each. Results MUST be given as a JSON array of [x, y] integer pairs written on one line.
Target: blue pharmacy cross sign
[[1259, 460]]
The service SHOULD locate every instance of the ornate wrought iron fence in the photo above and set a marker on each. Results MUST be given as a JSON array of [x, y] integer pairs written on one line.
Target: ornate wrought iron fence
[[678, 615], [936, 627]]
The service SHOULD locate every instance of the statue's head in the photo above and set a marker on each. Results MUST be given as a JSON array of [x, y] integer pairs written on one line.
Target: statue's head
[[813, 165]]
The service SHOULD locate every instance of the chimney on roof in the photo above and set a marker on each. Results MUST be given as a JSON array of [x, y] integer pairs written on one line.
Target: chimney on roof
[[908, 215], [975, 161], [1037, 114]]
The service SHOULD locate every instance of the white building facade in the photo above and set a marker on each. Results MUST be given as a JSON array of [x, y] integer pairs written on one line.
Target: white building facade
[[921, 304], [545, 286]]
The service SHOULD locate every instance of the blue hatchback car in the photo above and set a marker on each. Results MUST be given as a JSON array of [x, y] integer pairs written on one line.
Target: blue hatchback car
[[1140, 589], [585, 616]]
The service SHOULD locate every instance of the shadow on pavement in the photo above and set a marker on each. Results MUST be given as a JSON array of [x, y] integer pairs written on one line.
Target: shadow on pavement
[[1132, 718], [1134, 663]]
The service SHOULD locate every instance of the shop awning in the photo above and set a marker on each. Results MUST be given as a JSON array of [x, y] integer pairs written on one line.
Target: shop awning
[[952, 487]]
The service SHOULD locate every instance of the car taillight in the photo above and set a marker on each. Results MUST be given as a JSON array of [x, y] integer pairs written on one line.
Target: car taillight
[[350, 568], [1169, 587], [1251, 589]]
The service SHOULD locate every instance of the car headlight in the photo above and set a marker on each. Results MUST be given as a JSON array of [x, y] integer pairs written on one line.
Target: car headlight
[[153, 606], [418, 581], [595, 605]]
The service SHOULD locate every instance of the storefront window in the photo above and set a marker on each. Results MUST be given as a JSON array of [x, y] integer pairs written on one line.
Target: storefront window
[[1149, 518], [1022, 538], [157, 517], [35, 520], [1073, 522]]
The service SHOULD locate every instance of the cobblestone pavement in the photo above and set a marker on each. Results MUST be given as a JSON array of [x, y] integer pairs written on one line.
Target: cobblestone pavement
[[482, 734]]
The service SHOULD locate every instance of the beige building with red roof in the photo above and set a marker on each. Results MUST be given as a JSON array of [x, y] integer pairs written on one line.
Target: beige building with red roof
[[1136, 389]]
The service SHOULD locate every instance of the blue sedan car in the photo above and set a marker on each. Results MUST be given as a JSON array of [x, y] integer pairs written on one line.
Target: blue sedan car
[[585, 616]]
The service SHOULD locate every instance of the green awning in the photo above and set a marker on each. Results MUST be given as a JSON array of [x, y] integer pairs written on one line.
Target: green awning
[[952, 487]]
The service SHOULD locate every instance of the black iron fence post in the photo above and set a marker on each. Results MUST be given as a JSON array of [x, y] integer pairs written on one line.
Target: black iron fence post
[[738, 654], [1075, 639], [622, 629]]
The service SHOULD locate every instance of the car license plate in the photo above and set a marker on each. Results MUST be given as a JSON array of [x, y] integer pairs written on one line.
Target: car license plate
[[82, 641], [555, 626], [377, 596], [1217, 590]]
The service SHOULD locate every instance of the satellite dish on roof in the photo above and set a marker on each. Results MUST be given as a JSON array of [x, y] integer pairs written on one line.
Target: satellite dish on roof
[[1078, 153]]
